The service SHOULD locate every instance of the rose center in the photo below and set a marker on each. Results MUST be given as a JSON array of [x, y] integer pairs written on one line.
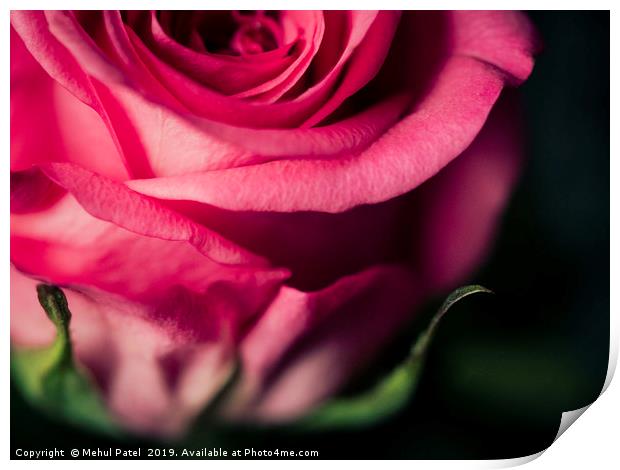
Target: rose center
[[256, 33], [225, 32]]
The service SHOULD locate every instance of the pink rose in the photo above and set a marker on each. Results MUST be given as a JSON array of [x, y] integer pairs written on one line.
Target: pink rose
[[261, 186]]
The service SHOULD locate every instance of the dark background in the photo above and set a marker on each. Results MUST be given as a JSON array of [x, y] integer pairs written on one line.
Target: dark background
[[501, 369]]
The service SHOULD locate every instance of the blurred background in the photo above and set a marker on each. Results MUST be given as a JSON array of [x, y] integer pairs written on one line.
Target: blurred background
[[502, 368]]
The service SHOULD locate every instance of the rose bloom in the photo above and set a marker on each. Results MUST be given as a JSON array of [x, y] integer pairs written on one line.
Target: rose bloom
[[279, 191]]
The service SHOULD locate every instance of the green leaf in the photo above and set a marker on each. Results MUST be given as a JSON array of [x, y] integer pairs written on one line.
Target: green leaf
[[393, 392], [48, 376]]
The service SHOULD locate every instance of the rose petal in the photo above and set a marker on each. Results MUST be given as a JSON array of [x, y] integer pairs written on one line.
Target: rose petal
[[67, 245], [42, 117], [505, 39], [363, 65], [34, 29], [459, 209], [114, 202], [306, 345], [317, 248]]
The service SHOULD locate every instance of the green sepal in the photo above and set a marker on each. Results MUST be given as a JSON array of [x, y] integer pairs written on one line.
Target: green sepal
[[393, 392], [48, 376]]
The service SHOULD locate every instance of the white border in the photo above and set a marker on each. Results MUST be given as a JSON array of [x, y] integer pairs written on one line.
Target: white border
[[591, 443]]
